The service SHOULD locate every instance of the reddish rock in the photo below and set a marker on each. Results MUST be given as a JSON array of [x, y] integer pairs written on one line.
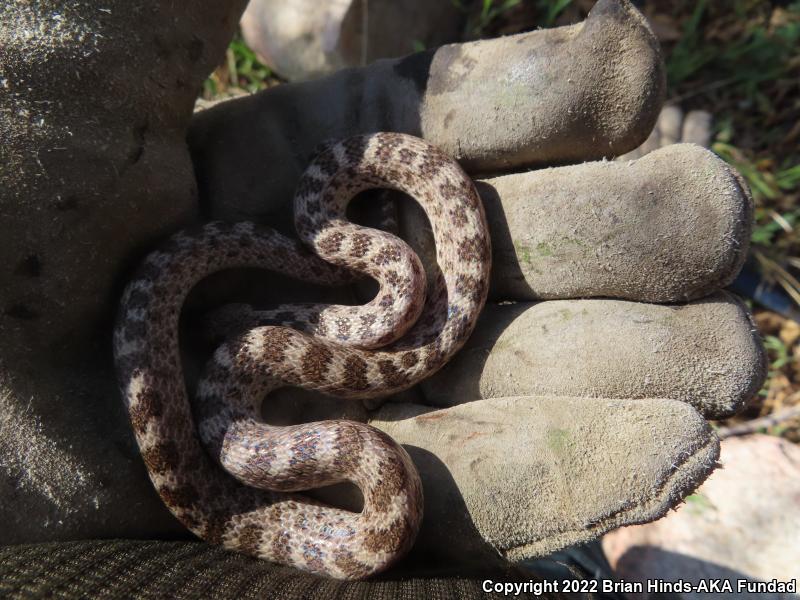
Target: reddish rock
[[742, 523]]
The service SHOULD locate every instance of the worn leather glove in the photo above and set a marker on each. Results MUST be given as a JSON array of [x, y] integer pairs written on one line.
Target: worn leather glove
[[580, 402]]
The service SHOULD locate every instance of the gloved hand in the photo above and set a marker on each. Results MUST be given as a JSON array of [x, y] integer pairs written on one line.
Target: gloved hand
[[562, 419], [559, 420]]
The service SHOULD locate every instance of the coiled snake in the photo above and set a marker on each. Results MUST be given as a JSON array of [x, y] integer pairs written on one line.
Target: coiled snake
[[332, 349]]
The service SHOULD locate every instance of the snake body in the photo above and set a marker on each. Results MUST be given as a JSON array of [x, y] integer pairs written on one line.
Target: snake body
[[253, 507]]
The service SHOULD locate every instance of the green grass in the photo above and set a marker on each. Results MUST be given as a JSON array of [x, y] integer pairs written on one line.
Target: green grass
[[760, 53], [779, 352], [768, 187], [242, 71], [245, 67], [551, 9], [740, 59], [481, 15], [697, 503], [492, 10]]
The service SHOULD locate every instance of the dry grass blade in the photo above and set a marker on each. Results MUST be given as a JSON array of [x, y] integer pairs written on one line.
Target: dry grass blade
[[776, 273], [763, 423]]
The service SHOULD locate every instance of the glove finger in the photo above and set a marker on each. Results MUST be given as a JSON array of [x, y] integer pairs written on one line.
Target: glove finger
[[705, 353], [522, 477], [671, 226], [573, 93]]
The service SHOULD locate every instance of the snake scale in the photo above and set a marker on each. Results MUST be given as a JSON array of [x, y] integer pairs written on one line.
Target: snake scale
[[233, 479]]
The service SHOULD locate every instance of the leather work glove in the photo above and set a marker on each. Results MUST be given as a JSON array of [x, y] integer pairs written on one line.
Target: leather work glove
[[578, 405]]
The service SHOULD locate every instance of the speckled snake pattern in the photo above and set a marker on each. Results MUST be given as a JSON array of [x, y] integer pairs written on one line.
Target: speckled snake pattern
[[224, 473]]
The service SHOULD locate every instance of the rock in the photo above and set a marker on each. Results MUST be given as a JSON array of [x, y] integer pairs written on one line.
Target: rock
[[301, 39], [742, 523]]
